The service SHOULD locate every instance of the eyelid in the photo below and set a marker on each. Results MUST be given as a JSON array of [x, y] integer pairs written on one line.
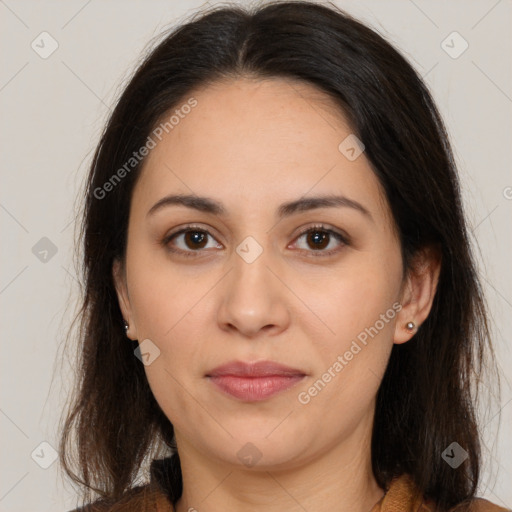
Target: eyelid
[[327, 228], [340, 236], [189, 227]]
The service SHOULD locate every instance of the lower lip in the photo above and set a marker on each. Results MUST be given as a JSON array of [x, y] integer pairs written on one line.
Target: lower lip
[[255, 389]]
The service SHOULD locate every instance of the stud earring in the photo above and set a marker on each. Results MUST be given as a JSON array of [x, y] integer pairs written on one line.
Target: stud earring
[[410, 326], [126, 327]]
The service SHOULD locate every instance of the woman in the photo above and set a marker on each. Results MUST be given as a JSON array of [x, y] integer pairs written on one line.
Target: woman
[[281, 308]]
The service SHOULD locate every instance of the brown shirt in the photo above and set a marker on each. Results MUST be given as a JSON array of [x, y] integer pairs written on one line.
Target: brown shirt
[[402, 496]]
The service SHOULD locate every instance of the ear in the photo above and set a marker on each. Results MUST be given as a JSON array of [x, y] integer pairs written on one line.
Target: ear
[[418, 292], [119, 276]]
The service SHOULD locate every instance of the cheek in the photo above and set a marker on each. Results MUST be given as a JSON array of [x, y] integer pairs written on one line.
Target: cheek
[[360, 308], [356, 300], [161, 292], [175, 319], [174, 327], [352, 359]]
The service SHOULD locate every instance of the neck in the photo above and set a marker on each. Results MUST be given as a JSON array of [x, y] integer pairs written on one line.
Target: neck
[[340, 479]]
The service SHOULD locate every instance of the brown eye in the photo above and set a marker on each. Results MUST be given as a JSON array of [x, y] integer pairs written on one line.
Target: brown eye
[[195, 239], [189, 241], [318, 239]]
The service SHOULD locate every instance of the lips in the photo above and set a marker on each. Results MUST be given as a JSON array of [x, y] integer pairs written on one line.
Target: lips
[[254, 369], [255, 381]]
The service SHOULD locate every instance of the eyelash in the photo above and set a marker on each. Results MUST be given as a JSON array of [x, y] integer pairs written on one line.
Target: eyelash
[[319, 227]]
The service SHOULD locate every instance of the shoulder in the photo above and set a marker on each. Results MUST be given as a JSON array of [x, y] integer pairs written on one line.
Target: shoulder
[[481, 505], [145, 497], [404, 496], [154, 496]]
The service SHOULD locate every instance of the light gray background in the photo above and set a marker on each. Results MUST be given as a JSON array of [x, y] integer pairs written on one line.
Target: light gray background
[[52, 112]]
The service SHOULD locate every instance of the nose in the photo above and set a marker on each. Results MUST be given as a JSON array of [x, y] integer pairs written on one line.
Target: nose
[[254, 297]]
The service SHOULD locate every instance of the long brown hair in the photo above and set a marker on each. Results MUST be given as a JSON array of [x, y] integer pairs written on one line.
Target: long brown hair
[[428, 395]]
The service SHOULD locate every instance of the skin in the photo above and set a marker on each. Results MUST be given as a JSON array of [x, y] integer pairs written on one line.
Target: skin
[[247, 144]]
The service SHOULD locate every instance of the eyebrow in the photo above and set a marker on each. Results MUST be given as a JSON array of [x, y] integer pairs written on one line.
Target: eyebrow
[[209, 205]]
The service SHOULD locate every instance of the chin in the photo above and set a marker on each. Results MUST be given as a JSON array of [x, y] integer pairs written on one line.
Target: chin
[[250, 449]]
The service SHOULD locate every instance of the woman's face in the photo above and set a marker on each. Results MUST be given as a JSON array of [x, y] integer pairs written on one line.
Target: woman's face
[[247, 285]]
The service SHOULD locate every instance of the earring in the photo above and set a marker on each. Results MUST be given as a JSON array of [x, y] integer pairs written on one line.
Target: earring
[[410, 326], [126, 327]]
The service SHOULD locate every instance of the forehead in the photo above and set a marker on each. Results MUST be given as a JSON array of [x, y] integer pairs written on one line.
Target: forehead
[[264, 140]]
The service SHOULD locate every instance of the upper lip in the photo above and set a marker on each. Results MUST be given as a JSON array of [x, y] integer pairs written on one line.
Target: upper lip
[[254, 369]]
